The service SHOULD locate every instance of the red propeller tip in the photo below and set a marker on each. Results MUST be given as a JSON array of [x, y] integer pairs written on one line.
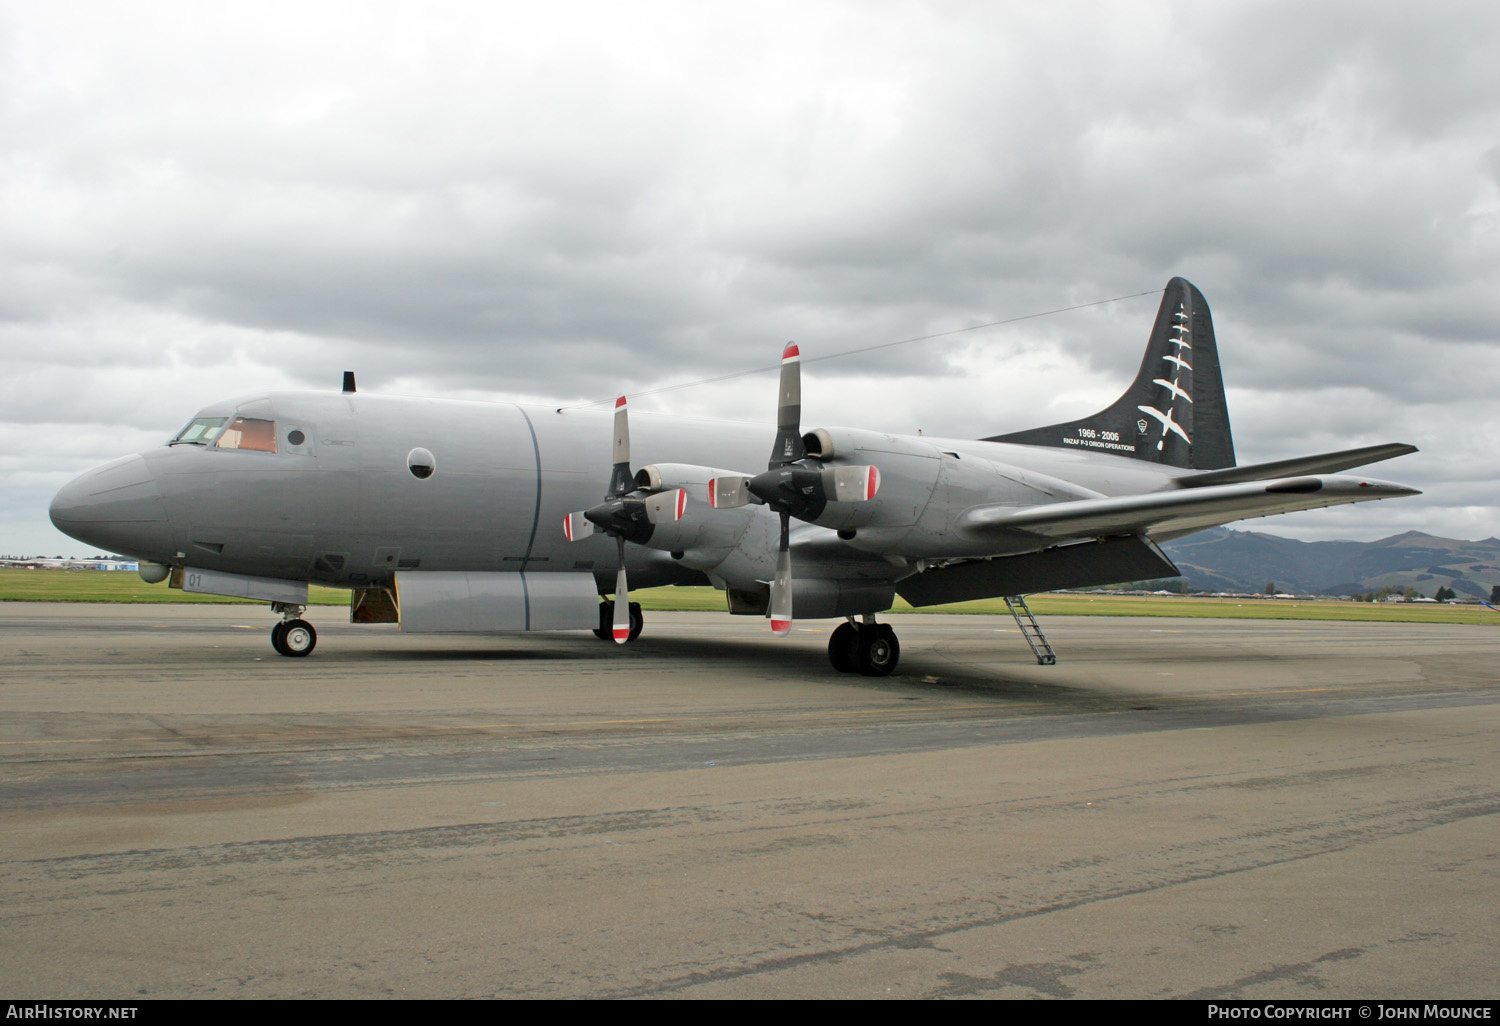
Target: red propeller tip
[[619, 402], [790, 352]]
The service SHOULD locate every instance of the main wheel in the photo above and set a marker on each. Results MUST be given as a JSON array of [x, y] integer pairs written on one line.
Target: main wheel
[[877, 651], [276, 638], [637, 620], [606, 630], [841, 647], [297, 638]]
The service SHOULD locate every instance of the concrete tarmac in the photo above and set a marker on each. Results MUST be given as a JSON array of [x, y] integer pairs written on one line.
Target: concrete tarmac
[[1179, 808]]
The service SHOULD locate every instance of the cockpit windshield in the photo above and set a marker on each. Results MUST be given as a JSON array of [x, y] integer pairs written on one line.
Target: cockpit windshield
[[248, 433], [253, 433], [202, 431]]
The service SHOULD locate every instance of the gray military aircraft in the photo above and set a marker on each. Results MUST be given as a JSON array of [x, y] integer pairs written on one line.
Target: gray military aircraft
[[448, 516]]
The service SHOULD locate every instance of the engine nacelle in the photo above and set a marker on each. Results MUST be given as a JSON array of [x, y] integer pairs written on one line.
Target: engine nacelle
[[908, 466], [698, 527], [924, 493], [694, 479], [821, 599]]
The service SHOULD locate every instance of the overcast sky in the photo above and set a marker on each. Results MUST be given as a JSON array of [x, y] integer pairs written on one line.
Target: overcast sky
[[562, 202]]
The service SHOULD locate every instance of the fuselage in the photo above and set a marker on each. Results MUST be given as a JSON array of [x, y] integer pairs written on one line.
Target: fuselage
[[348, 489]]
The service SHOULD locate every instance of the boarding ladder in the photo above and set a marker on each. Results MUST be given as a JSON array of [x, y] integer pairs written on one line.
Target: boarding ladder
[[1031, 630]]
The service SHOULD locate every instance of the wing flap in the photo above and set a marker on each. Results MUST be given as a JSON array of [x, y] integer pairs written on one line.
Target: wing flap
[[1177, 510], [1073, 565]]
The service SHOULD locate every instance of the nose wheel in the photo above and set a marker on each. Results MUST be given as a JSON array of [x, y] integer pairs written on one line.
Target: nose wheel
[[293, 637], [870, 649]]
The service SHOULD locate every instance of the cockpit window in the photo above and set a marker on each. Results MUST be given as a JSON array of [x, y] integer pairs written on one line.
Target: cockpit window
[[202, 431], [247, 433]]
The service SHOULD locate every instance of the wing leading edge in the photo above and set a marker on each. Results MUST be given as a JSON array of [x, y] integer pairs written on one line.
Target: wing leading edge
[[1323, 463]]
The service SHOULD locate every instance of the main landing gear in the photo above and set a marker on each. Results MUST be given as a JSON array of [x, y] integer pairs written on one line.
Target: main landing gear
[[293, 636], [605, 630], [869, 648]]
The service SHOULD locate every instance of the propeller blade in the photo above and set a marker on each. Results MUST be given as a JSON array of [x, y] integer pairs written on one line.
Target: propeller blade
[[781, 585], [576, 526], [788, 447], [729, 492], [620, 478], [622, 600], [851, 484], [666, 507]]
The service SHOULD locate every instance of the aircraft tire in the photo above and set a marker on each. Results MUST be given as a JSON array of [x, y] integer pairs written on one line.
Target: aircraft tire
[[841, 647], [276, 638], [877, 651], [605, 630], [637, 621], [298, 638]]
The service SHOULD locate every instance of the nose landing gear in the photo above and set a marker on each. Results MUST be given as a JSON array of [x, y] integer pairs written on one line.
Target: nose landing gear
[[293, 636]]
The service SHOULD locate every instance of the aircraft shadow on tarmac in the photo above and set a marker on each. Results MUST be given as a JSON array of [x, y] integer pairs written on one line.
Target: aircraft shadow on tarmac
[[984, 672]]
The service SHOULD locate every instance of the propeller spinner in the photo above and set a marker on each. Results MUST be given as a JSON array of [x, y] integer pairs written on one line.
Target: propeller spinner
[[627, 513]]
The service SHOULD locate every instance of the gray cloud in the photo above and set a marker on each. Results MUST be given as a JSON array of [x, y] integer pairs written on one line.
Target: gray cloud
[[493, 200]]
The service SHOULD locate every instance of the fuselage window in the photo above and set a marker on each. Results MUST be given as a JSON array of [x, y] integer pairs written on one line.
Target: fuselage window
[[421, 463], [202, 431], [245, 433]]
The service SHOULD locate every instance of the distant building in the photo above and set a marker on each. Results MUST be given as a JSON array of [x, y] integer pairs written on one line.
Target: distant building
[[59, 563]]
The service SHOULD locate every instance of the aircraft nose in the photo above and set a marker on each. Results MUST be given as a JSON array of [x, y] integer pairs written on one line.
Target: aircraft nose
[[117, 507]]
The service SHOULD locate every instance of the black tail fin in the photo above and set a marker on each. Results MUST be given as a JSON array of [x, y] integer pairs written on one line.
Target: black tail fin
[[1174, 412]]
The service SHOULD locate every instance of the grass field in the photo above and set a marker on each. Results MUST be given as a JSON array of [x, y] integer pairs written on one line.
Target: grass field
[[121, 586], [117, 586], [1143, 605]]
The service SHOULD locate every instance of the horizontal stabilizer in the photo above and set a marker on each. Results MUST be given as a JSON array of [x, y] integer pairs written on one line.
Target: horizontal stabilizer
[[1176, 511], [1323, 463]]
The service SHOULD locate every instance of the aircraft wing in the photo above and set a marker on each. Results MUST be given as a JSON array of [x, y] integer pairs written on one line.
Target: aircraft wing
[[1166, 513], [1323, 463]]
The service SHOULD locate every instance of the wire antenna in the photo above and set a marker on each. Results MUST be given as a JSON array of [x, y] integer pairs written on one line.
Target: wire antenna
[[865, 349]]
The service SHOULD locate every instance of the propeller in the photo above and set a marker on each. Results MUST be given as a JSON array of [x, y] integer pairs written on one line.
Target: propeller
[[792, 485], [628, 513]]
